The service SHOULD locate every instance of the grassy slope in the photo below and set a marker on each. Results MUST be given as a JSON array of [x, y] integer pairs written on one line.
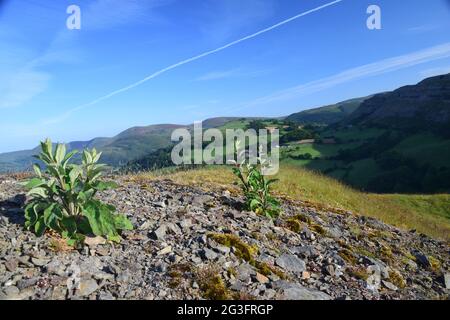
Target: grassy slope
[[426, 148], [426, 214]]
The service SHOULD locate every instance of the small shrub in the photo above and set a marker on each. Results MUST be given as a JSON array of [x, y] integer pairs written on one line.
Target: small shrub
[[256, 187], [63, 197]]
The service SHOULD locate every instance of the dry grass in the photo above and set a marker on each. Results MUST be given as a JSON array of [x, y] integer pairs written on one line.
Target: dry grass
[[426, 214]]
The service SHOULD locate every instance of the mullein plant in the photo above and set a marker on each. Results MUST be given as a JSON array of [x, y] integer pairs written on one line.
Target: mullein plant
[[254, 185], [62, 197]]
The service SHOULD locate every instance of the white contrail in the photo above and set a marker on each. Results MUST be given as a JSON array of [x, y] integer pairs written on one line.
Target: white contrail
[[183, 62], [441, 51]]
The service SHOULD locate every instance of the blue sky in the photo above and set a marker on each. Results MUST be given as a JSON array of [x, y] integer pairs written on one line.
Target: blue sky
[[51, 78]]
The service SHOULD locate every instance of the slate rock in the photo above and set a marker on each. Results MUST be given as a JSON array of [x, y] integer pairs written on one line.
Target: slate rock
[[290, 262], [87, 287], [295, 291]]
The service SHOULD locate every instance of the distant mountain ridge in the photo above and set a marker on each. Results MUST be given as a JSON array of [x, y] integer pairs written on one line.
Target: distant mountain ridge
[[328, 114], [421, 106], [425, 105], [132, 143]]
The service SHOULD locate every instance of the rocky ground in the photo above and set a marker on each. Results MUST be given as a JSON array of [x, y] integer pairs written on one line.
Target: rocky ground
[[193, 244]]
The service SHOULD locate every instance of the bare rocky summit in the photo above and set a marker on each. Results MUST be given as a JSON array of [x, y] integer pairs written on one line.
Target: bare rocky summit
[[190, 243]]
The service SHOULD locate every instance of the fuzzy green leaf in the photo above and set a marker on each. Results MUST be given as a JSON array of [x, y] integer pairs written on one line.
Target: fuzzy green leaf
[[37, 170], [33, 183], [122, 223], [100, 218], [39, 227], [60, 153], [101, 186], [39, 191]]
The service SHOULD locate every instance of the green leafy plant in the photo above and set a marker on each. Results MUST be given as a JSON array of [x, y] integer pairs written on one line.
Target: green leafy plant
[[255, 186], [63, 197]]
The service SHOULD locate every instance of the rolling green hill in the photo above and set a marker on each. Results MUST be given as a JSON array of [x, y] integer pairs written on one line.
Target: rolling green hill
[[327, 114], [128, 145]]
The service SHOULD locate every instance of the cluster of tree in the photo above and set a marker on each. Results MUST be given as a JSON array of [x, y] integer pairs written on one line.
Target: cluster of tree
[[298, 134], [304, 156], [405, 175], [155, 160], [370, 149], [407, 179], [256, 125]]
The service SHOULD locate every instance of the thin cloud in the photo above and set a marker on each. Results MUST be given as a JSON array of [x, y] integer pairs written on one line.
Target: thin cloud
[[22, 87], [423, 28], [233, 73], [186, 61], [220, 20], [372, 69], [105, 14], [435, 71], [216, 75]]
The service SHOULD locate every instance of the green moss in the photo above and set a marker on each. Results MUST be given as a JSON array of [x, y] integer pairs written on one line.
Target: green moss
[[386, 254], [174, 283], [293, 225], [303, 218], [318, 229], [365, 252], [359, 273], [355, 231], [211, 285], [396, 278], [435, 264], [348, 256], [271, 236], [344, 244], [177, 272], [256, 235], [243, 250], [405, 256], [266, 270], [379, 234], [232, 271], [410, 256]]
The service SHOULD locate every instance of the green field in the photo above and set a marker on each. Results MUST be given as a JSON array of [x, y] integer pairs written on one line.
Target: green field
[[421, 148]]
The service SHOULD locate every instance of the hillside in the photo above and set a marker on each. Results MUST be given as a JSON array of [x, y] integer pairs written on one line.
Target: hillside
[[195, 241], [130, 144], [327, 114], [392, 142], [423, 106]]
